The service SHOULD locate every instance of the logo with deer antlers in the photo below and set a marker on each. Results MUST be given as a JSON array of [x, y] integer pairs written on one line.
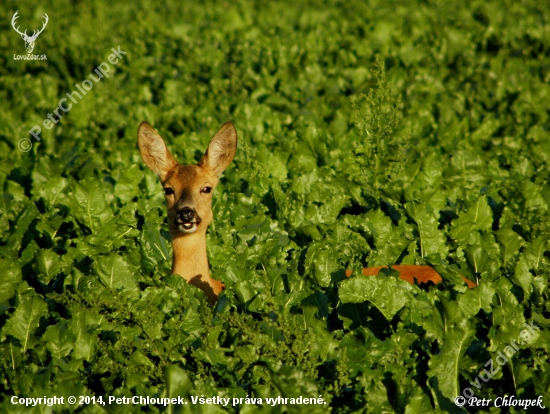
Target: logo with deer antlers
[[29, 40]]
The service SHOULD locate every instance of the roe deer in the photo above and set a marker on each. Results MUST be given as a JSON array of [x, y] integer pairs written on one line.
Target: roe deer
[[422, 274], [188, 192]]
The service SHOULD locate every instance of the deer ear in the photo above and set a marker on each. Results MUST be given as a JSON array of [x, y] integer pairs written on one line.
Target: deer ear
[[221, 149], [154, 152]]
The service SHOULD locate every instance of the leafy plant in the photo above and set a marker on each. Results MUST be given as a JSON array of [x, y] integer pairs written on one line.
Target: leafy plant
[[382, 153]]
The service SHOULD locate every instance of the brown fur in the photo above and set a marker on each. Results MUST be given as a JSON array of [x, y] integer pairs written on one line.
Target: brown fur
[[422, 274]]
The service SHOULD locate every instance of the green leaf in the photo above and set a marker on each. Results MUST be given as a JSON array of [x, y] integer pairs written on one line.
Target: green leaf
[[534, 200], [59, 339], [24, 320], [116, 273], [47, 264], [321, 260], [486, 293], [10, 278], [178, 382], [445, 366], [52, 190], [510, 242], [139, 359], [522, 275], [155, 248], [534, 252], [388, 294], [431, 239], [478, 217], [23, 220], [88, 204], [477, 257], [82, 323], [508, 317], [388, 240], [127, 180]]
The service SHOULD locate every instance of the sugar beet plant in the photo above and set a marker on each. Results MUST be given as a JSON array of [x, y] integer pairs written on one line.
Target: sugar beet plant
[[442, 160]]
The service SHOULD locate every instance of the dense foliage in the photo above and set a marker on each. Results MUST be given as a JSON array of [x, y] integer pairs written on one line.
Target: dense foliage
[[371, 133]]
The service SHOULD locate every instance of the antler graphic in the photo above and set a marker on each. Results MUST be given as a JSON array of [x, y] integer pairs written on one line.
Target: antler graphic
[[46, 20], [14, 18], [29, 40]]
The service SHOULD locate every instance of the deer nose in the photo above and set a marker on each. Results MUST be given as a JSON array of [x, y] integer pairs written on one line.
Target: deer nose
[[186, 214]]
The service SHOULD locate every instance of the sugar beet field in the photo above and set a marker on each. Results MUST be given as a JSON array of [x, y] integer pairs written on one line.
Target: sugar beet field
[[371, 133]]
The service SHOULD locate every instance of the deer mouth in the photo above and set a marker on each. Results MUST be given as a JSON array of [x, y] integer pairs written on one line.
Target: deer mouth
[[188, 226]]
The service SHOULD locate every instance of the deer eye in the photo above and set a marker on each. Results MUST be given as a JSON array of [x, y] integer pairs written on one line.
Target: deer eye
[[168, 191], [206, 190]]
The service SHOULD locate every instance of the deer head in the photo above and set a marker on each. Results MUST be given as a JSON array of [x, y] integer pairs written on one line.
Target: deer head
[[29, 40]]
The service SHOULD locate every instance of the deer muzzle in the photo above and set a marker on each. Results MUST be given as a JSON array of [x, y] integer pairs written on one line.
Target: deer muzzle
[[187, 220]]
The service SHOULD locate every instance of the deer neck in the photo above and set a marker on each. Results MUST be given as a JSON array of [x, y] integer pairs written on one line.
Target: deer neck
[[190, 260]]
